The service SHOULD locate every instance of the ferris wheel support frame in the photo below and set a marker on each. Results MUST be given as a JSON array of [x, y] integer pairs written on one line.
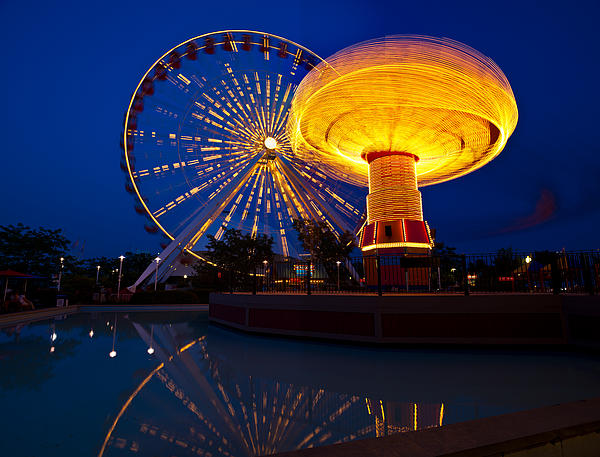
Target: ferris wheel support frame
[[193, 230]]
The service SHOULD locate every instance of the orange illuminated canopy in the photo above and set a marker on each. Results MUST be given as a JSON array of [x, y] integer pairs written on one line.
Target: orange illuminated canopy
[[436, 99]]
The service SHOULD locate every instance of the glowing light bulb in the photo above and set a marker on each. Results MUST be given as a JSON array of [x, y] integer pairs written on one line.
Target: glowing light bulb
[[150, 350], [91, 333], [270, 142], [53, 336], [113, 354], [52, 349]]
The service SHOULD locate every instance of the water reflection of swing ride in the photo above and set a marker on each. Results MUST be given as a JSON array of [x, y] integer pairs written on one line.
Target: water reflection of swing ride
[[198, 402]]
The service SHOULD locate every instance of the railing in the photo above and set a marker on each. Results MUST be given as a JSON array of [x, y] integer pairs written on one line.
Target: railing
[[541, 272]]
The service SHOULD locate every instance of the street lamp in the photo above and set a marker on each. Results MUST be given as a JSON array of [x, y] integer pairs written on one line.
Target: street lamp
[[266, 285], [62, 259], [157, 260], [120, 271], [338, 268], [97, 273], [528, 261]]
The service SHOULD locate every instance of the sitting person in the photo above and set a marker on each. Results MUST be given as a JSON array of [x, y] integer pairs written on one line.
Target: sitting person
[[12, 304], [24, 303]]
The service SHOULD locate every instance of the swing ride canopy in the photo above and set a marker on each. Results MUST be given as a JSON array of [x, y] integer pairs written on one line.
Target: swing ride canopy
[[437, 99]]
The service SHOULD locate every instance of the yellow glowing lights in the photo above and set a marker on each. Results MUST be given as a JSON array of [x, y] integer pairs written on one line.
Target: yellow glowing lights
[[438, 99]]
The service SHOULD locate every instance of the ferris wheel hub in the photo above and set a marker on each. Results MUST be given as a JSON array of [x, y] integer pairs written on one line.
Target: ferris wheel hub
[[270, 142]]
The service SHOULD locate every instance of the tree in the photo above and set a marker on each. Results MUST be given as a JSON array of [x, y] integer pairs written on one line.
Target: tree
[[441, 250], [237, 252], [450, 265], [506, 261], [134, 265], [323, 244], [35, 251]]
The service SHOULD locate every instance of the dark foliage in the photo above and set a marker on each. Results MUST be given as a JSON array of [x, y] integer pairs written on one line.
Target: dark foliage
[[34, 251], [134, 265], [234, 259], [321, 242]]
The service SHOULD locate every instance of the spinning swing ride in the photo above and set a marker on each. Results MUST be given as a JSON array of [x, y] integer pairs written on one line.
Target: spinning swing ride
[[403, 111]]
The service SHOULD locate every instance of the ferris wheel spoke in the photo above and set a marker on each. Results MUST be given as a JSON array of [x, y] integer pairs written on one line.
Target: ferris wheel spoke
[[324, 210], [223, 182]]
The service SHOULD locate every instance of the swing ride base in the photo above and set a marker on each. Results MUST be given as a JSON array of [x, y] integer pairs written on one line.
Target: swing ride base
[[508, 319]]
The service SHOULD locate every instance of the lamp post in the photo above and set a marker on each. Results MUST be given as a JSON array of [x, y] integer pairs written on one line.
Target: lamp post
[[338, 268], [265, 263], [157, 260], [62, 259], [97, 273], [119, 284], [528, 261]]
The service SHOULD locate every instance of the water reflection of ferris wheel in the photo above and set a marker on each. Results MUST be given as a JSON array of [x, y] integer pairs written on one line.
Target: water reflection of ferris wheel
[[206, 149], [200, 401]]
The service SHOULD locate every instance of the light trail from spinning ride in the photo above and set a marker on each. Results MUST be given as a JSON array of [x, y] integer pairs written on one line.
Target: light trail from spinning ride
[[401, 112], [205, 145]]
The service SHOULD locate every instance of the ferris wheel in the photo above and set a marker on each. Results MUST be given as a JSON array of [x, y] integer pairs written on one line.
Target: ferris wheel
[[205, 146]]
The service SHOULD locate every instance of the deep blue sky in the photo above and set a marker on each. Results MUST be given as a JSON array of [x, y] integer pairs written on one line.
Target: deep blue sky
[[69, 69]]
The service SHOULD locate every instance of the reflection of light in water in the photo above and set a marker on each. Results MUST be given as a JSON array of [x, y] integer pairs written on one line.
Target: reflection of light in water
[[214, 408], [151, 349], [113, 353]]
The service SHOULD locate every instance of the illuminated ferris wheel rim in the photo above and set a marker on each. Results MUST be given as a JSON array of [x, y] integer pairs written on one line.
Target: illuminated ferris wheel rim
[[270, 143]]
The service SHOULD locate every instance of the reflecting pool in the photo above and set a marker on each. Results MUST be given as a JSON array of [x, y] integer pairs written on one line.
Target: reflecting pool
[[166, 384]]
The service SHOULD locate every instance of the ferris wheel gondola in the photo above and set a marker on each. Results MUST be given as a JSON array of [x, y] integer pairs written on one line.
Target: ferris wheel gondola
[[205, 146]]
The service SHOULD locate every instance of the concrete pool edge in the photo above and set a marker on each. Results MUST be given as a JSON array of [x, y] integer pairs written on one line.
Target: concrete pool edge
[[569, 429], [7, 320], [519, 319]]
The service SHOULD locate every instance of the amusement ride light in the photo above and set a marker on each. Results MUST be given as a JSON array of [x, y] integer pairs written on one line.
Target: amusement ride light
[[401, 112]]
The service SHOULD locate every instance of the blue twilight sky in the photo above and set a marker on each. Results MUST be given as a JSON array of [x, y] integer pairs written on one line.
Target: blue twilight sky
[[69, 69]]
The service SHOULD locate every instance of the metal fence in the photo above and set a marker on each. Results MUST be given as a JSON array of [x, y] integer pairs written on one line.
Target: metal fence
[[503, 272]]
